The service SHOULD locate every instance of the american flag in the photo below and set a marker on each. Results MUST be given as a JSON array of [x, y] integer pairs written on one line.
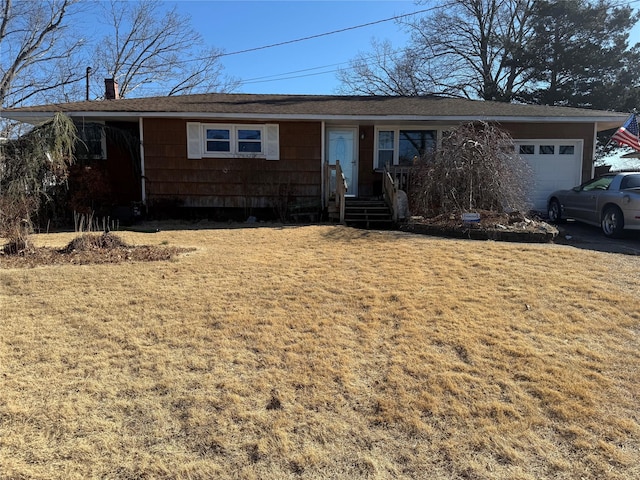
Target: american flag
[[627, 134]]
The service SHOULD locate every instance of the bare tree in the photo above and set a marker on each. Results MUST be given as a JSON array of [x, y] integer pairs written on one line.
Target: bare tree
[[384, 71], [479, 46], [40, 50], [148, 46], [466, 48], [573, 53], [44, 56]]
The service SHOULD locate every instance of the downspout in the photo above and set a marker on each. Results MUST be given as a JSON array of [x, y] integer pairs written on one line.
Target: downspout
[[142, 173], [593, 155]]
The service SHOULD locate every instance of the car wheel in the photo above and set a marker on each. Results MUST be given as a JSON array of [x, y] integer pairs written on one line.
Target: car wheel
[[612, 222], [554, 211]]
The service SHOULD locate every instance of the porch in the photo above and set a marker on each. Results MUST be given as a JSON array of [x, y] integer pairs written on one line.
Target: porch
[[379, 211]]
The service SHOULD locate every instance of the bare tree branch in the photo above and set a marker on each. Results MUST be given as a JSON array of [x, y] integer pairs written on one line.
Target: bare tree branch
[[466, 48], [35, 36], [148, 46]]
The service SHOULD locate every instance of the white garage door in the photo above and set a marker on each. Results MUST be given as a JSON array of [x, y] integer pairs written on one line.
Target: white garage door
[[556, 164]]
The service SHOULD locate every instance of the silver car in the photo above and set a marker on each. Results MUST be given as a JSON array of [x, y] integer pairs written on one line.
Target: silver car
[[611, 201]]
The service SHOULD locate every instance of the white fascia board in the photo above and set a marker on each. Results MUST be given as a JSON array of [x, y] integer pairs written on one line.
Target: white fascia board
[[32, 117]]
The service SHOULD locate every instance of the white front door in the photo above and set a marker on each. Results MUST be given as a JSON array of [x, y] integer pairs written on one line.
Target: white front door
[[342, 145]]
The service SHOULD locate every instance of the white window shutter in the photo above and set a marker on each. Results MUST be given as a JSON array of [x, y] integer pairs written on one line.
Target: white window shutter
[[194, 140], [272, 141]]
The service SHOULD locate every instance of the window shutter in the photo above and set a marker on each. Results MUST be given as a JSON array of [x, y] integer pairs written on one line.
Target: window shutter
[[272, 141], [194, 140]]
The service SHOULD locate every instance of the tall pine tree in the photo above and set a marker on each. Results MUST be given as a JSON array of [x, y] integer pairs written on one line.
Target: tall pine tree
[[581, 53]]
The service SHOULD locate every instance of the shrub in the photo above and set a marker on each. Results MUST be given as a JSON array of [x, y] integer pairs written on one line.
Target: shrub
[[15, 221], [475, 169], [29, 167]]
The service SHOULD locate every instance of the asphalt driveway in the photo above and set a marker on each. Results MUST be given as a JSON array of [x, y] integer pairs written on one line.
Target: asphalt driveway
[[584, 236]]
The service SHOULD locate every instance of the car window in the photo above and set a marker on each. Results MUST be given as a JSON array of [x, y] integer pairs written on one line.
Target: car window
[[630, 181], [601, 183]]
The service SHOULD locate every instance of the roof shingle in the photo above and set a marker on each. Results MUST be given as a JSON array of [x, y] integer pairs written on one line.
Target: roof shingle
[[316, 106]]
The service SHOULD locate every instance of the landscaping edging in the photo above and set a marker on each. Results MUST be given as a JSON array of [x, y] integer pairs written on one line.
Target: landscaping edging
[[503, 235]]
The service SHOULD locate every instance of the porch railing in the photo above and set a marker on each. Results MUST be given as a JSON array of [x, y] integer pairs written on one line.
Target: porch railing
[[395, 178], [401, 173], [334, 197]]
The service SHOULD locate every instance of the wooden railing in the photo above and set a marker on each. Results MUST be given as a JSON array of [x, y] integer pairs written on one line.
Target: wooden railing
[[341, 190], [335, 197], [390, 192], [395, 178], [401, 173]]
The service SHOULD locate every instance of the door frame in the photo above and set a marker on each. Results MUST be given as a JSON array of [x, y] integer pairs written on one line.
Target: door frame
[[353, 188]]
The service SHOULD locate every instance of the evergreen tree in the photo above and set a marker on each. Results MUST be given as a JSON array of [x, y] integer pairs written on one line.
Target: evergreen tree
[[581, 53]]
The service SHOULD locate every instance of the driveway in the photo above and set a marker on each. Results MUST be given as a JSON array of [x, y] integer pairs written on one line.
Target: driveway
[[584, 236]]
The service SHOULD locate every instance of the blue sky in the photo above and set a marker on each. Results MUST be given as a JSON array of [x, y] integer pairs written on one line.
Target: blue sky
[[306, 67], [239, 25]]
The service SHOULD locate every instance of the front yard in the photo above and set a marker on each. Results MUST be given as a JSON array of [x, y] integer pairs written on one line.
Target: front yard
[[322, 352]]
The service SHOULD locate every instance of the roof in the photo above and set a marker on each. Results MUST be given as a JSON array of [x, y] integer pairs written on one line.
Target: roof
[[319, 107]]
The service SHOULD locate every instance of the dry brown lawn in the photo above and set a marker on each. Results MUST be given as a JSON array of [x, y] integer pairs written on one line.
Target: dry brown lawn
[[322, 352]]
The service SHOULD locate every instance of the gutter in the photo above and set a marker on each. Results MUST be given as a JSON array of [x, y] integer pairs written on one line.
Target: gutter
[[34, 117]]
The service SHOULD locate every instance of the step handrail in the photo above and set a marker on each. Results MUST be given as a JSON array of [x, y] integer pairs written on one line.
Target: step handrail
[[390, 191], [341, 188]]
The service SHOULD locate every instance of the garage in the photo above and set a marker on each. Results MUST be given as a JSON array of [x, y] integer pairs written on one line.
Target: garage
[[556, 164]]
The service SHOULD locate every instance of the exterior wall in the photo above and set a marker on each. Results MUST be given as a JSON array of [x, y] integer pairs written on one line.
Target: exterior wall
[[232, 182], [573, 131], [369, 181], [248, 183], [108, 186]]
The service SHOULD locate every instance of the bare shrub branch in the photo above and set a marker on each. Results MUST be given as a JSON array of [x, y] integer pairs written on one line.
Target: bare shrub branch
[[476, 168]]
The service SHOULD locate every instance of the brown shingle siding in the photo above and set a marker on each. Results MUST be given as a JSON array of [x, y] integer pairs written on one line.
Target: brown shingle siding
[[232, 182]]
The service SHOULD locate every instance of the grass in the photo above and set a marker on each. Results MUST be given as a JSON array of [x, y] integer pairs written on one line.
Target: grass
[[322, 352]]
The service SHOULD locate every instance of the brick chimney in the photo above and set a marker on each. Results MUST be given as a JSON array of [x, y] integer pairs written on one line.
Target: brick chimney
[[111, 89]]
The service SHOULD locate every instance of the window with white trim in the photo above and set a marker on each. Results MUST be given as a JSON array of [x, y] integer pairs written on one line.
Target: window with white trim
[[233, 140], [217, 140], [401, 146]]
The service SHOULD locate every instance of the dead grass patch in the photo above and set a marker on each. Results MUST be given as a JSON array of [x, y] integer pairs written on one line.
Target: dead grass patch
[[322, 352]]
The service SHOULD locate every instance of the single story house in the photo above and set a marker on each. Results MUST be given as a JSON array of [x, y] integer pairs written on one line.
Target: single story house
[[250, 152]]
